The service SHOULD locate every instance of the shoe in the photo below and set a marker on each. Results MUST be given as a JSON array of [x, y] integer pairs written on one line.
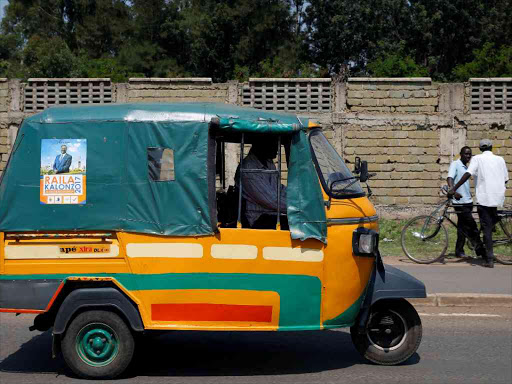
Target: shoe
[[488, 264], [461, 255], [480, 251]]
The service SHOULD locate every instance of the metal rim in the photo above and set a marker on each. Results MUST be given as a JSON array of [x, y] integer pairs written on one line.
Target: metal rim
[[503, 245], [97, 344], [387, 330], [409, 234]]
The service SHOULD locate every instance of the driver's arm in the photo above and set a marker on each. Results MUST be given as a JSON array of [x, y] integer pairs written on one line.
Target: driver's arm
[[258, 188]]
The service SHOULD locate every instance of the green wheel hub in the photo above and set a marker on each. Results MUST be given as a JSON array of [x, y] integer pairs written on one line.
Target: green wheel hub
[[97, 344]]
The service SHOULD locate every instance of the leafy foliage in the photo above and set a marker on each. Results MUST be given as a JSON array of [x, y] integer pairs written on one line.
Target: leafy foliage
[[346, 32], [396, 65], [488, 62], [238, 39], [48, 57]]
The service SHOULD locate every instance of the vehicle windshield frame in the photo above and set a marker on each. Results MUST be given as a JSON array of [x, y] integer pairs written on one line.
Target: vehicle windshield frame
[[323, 182]]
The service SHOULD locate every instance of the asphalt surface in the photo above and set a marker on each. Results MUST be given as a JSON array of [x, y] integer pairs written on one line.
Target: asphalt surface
[[459, 346], [458, 276]]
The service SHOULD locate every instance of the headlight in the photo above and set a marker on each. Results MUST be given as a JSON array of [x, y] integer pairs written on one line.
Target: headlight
[[365, 242]]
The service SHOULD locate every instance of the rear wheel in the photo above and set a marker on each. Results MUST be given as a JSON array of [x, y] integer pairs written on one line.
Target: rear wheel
[[98, 344], [424, 239], [502, 241], [392, 334]]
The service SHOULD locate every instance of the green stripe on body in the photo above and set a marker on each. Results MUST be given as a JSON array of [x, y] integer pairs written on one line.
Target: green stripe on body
[[347, 318], [300, 295]]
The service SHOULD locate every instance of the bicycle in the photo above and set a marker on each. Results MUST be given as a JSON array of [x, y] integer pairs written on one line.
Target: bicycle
[[425, 238]]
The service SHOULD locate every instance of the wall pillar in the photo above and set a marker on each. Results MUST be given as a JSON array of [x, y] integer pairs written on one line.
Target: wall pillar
[[121, 93]]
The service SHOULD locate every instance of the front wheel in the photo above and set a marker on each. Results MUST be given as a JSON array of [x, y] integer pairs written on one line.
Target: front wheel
[[98, 345], [392, 334], [424, 239], [502, 241]]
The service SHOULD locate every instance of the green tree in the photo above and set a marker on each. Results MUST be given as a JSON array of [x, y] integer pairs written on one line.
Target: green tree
[[163, 37], [219, 36], [349, 34], [488, 62], [10, 55], [104, 67], [101, 27], [396, 65], [96, 26], [48, 57], [446, 32], [435, 34]]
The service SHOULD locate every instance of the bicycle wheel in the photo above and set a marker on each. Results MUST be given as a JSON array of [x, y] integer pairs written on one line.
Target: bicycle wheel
[[424, 239], [502, 241]]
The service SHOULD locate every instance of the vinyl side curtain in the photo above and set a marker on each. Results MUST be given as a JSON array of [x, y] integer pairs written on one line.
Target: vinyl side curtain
[[306, 211], [120, 194]]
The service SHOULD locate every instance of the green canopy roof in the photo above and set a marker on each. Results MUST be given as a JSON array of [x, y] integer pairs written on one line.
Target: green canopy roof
[[114, 151], [165, 112]]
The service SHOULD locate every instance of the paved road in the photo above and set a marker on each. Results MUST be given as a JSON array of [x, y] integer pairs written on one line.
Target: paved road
[[456, 348], [459, 277]]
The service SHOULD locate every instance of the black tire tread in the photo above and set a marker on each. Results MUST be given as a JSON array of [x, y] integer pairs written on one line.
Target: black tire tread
[[118, 365], [374, 355]]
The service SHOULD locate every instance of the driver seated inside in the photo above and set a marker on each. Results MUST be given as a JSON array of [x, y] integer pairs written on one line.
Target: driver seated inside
[[260, 189]]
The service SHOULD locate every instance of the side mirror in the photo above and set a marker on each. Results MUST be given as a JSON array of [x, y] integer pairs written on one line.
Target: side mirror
[[357, 165], [363, 176]]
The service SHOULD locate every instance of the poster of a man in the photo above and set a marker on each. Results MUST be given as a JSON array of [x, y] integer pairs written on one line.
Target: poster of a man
[[63, 156], [63, 171], [62, 161]]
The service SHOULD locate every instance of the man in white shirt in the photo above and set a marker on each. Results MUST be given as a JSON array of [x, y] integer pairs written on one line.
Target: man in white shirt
[[492, 175], [463, 205], [259, 189]]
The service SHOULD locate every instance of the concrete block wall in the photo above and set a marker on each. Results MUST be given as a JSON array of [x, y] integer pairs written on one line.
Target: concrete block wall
[[409, 130], [157, 90], [411, 148], [4, 128], [406, 95], [403, 152]]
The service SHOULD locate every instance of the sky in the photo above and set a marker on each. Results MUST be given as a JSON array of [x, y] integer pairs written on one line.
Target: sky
[[3, 3]]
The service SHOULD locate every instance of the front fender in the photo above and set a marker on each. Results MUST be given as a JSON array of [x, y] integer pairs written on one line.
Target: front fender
[[388, 282], [392, 283]]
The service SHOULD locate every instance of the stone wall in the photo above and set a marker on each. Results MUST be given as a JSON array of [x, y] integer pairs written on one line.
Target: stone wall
[[409, 130], [4, 129], [158, 90], [416, 95]]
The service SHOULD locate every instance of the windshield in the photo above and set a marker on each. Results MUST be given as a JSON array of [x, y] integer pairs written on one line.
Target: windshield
[[332, 169]]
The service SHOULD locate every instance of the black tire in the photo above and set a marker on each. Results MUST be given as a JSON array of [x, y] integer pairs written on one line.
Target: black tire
[[393, 333], [502, 241], [98, 345], [424, 239]]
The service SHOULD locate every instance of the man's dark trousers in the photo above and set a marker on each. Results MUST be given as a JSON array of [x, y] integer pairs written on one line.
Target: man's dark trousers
[[467, 225], [488, 218]]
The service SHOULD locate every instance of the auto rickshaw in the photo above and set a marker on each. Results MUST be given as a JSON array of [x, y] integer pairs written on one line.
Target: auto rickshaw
[[116, 220]]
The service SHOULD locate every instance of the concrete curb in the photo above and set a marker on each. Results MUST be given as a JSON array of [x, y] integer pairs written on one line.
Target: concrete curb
[[464, 300]]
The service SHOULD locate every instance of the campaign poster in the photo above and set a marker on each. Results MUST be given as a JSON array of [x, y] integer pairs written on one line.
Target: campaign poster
[[63, 171]]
